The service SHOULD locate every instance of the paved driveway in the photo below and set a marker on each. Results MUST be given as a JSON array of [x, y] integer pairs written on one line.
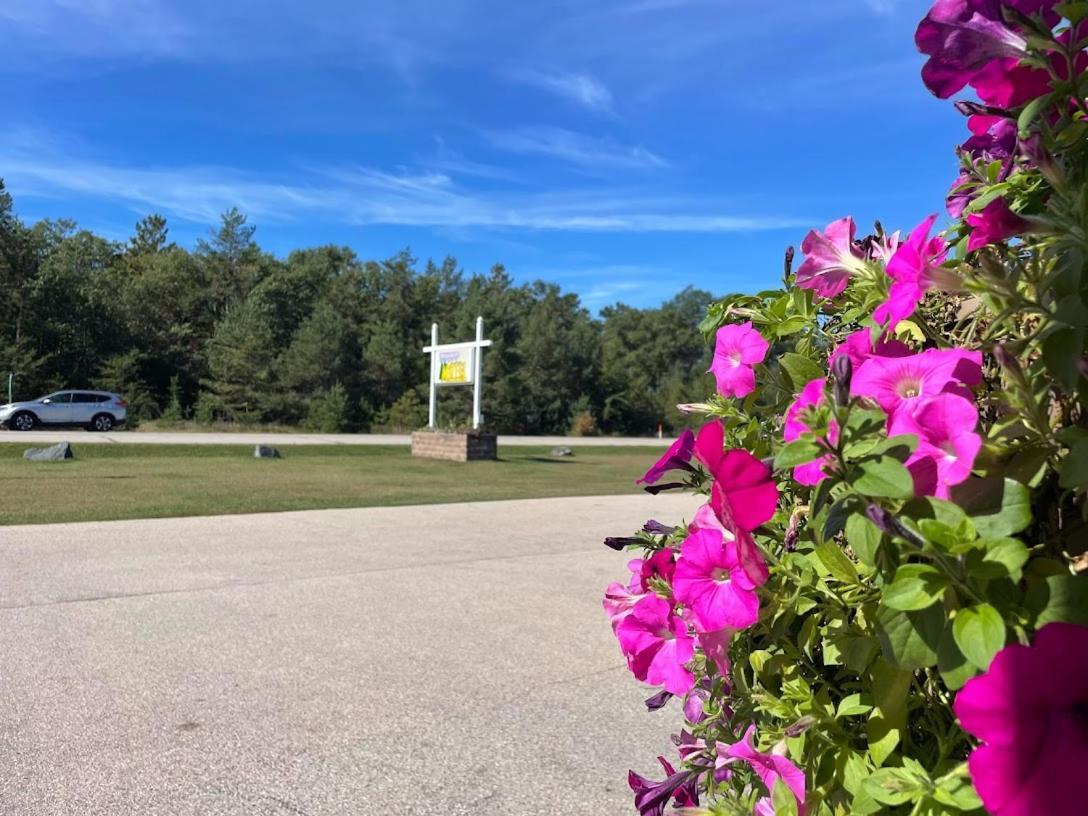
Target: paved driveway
[[436, 660]]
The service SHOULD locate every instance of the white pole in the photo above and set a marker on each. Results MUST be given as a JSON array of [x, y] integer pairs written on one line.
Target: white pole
[[477, 380], [434, 356]]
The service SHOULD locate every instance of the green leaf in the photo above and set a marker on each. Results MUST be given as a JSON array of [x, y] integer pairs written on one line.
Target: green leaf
[[836, 562], [884, 477], [863, 537], [1006, 556], [909, 640], [1062, 597], [915, 586], [797, 452], [893, 786], [785, 803], [801, 370], [980, 633], [1031, 111], [889, 717], [997, 507], [851, 705], [1074, 467], [954, 789], [1061, 352], [953, 666]]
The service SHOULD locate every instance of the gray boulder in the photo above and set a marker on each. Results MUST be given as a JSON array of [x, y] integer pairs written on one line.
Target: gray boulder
[[562, 452], [55, 453], [266, 452]]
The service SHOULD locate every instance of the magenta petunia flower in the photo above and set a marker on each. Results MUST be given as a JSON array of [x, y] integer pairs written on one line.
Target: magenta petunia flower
[[661, 565], [744, 495], [657, 645], [620, 599], [812, 394], [715, 646], [859, 348], [968, 42], [710, 580], [947, 443], [994, 223], [915, 267], [963, 191], [898, 383], [1030, 711], [707, 519], [830, 259], [769, 767], [737, 347], [992, 137], [676, 458], [651, 798]]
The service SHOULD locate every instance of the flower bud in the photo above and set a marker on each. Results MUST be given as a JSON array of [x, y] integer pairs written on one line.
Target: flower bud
[[657, 702], [1033, 149], [843, 370], [788, 265], [657, 528], [620, 542], [888, 523]]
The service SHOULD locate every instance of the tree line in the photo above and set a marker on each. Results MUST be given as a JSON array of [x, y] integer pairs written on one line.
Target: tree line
[[323, 339]]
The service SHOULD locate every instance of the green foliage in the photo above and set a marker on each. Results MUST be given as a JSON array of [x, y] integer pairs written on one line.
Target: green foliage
[[329, 412], [256, 338]]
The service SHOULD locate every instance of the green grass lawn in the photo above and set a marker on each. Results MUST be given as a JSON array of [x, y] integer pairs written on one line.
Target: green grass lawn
[[145, 481]]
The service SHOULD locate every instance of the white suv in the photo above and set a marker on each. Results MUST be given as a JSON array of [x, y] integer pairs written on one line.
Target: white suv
[[93, 410]]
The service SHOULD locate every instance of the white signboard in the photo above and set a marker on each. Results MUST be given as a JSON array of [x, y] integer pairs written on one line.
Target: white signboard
[[455, 366]]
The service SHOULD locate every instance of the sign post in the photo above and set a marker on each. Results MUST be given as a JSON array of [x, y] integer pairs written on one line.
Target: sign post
[[457, 364]]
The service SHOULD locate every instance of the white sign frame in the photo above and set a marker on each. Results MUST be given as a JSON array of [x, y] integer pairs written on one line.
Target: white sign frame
[[475, 373]]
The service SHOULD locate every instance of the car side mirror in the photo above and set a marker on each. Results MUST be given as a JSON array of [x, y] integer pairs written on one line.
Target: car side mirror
[[46, 401]]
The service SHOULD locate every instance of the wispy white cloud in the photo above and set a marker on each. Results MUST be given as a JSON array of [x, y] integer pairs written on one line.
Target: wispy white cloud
[[360, 195], [586, 152], [581, 89]]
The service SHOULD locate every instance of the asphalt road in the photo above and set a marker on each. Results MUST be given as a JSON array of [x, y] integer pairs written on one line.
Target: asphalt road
[[439, 660], [187, 438]]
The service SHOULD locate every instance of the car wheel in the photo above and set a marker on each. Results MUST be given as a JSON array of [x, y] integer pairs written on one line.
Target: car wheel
[[102, 423], [23, 421]]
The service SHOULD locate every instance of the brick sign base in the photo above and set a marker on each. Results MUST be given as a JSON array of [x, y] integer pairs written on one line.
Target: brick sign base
[[457, 447]]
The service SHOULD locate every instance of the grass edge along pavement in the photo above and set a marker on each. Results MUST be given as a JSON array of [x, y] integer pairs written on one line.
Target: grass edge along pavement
[[111, 482]]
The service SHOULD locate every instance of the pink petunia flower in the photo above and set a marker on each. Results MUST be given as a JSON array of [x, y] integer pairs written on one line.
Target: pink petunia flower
[[769, 767], [1030, 711], [898, 383], [661, 565], [969, 42], [737, 347], [830, 259], [994, 223], [657, 645], [715, 646], [992, 137], [859, 348], [947, 442], [710, 579], [915, 267], [707, 519], [676, 458], [811, 395], [744, 495], [620, 599]]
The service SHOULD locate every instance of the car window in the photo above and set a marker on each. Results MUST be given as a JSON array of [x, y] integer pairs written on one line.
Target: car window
[[101, 398], [86, 398], [62, 398]]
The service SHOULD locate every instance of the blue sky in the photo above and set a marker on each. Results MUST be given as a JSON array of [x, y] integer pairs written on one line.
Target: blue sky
[[624, 148]]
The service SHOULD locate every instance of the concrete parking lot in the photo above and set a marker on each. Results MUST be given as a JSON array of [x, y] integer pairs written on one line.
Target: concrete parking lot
[[433, 660]]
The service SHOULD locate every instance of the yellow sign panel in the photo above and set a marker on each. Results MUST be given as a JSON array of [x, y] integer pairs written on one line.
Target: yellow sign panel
[[455, 367]]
